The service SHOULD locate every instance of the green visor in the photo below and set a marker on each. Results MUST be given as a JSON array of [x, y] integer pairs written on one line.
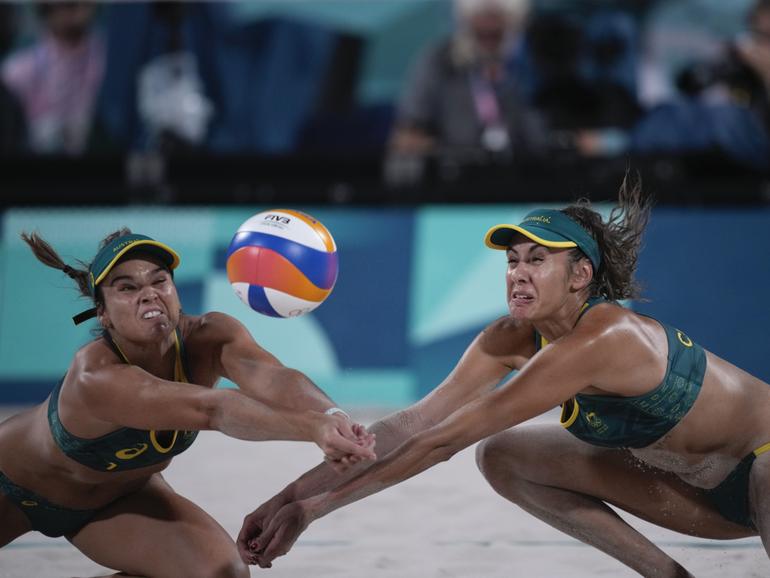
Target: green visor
[[111, 254], [548, 228]]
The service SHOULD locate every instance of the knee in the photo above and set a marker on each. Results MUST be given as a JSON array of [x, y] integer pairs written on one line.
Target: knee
[[223, 566], [495, 455]]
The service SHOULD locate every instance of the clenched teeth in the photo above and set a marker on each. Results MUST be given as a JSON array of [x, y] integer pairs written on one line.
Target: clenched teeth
[[150, 314]]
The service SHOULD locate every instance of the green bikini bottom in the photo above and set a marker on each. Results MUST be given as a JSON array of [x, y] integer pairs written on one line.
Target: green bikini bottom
[[45, 517], [731, 497]]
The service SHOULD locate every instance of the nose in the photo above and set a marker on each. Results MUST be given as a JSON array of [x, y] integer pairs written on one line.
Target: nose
[[518, 273], [148, 294]]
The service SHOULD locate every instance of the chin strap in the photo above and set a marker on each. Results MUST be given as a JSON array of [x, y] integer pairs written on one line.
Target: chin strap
[[84, 316]]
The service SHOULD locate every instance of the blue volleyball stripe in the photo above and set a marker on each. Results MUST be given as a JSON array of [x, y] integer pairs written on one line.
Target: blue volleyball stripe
[[318, 266], [258, 301]]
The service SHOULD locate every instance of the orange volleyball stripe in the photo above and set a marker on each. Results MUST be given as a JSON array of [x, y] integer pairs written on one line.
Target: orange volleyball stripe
[[316, 225], [266, 268]]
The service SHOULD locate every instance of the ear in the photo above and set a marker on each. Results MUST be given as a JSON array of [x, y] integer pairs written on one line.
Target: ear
[[582, 275], [103, 316]]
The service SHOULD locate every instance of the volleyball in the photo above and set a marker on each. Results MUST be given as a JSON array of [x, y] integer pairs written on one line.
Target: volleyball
[[282, 263]]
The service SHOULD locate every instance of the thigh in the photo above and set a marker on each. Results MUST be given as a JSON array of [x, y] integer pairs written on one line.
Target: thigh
[[759, 497], [13, 522], [549, 455], [156, 532]]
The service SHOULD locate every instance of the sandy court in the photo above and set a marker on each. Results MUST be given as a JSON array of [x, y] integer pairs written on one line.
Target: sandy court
[[445, 522]]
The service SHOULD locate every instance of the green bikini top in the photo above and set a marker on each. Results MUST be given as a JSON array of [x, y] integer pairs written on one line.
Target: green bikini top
[[638, 421], [125, 448]]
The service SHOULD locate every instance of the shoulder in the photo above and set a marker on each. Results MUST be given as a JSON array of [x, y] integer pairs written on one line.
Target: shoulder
[[18, 68], [605, 321], [212, 326], [616, 338], [436, 57], [507, 336], [92, 356]]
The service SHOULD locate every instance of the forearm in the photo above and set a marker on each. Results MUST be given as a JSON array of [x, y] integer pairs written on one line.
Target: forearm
[[391, 432], [239, 416], [289, 388], [412, 457]]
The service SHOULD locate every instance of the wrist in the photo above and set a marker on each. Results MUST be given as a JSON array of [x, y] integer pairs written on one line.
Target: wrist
[[289, 493], [337, 410], [314, 507]]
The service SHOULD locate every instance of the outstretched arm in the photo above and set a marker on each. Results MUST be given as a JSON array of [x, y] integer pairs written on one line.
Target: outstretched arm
[[491, 356], [555, 374], [127, 395]]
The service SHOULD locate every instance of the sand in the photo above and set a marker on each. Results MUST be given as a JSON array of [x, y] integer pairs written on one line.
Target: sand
[[446, 522]]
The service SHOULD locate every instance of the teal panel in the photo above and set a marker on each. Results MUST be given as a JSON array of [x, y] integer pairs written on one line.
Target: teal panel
[[370, 388], [299, 342], [39, 300], [458, 282]]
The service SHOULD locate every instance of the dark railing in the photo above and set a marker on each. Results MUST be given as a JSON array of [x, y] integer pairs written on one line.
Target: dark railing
[[363, 180]]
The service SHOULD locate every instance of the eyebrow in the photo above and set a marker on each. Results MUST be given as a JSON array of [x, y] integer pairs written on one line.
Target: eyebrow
[[511, 250], [130, 278]]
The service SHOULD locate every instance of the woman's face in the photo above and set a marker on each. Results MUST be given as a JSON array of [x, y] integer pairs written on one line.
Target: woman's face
[[140, 300], [537, 280]]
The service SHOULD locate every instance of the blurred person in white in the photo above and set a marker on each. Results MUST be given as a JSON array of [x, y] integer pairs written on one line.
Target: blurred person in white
[[57, 78], [461, 96]]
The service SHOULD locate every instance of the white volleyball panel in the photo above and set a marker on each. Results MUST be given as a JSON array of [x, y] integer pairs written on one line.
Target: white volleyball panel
[[287, 305]]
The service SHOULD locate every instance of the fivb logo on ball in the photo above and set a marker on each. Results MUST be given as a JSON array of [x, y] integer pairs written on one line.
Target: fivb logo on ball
[[282, 263]]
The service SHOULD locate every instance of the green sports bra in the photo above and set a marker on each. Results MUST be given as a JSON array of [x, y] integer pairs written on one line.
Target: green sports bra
[[125, 448], [638, 421]]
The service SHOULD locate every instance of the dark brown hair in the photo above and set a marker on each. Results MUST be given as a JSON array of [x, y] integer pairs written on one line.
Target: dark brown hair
[[619, 239], [47, 255]]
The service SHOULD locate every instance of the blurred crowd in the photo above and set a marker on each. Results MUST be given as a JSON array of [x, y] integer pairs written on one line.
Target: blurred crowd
[[507, 81]]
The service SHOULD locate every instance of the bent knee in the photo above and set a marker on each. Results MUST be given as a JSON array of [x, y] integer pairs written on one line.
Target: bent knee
[[222, 567], [512, 453], [495, 453]]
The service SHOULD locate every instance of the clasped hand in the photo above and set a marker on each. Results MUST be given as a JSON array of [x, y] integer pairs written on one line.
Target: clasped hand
[[343, 443], [271, 530]]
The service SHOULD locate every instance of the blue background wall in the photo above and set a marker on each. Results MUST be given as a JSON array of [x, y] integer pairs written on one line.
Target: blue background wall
[[415, 287]]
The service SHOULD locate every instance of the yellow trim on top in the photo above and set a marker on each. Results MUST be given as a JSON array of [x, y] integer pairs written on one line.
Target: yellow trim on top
[[762, 449], [575, 412], [123, 355], [159, 448], [131, 247], [179, 374], [540, 241]]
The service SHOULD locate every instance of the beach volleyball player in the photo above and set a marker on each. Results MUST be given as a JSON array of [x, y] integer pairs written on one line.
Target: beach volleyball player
[[651, 423], [86, 464]]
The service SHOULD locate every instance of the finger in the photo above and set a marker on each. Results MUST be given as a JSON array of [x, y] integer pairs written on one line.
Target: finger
[[346, 447], [345, 428], [278, 546]]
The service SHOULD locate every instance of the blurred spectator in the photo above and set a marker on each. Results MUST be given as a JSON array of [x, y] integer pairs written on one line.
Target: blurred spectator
[[156, 94], [57, 79], [584, 69], [721, 113], [583, 78], [171, 98], [462, 97], [742, 74]]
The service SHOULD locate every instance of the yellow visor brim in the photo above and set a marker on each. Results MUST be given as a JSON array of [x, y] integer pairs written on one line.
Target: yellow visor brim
[[499, 237]]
